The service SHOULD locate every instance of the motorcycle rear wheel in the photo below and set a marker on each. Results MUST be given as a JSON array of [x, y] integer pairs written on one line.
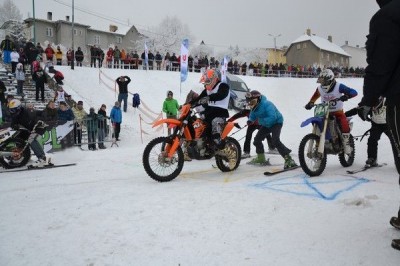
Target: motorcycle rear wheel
[[157, 164], [312, 163], [19, 158]]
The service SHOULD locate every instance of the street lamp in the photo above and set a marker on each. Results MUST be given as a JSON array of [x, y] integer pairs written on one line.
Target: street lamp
[[274, 36], [72, 29]]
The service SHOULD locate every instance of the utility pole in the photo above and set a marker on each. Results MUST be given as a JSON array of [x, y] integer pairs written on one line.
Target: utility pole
[[34, 23], [72, 27]]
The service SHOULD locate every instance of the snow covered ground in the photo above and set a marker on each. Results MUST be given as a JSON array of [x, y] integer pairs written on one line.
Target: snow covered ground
[[107, 211]]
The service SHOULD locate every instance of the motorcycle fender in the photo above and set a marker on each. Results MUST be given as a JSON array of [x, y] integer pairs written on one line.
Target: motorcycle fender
[[174, 122], [313, 120], [227, 129]]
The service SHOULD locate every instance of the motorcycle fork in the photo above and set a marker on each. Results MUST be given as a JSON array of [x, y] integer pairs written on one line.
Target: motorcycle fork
[[176, 137]]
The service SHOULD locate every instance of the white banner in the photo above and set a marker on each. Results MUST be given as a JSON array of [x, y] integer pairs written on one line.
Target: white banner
[[184, 59], [224, 69]]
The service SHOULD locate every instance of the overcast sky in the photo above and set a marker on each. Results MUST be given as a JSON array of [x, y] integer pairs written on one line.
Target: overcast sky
[[246, 23]]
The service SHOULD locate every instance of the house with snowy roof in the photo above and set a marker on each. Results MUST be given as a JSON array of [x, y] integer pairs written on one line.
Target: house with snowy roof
[[312, 50], [59, 32]]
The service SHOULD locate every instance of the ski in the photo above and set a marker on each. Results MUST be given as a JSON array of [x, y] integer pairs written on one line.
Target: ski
[[274, 171], [364, 168], [29, 168]]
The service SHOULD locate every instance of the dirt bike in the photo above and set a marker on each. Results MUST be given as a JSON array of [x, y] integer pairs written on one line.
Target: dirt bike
[[326, 138], [163, 157], [14, 150]]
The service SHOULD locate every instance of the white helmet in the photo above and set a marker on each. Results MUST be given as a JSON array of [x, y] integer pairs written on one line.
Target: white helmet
[[327, 79], [14, 106]]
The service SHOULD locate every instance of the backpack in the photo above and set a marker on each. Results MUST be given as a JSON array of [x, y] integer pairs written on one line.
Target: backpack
[[136, 100], [379, 113]]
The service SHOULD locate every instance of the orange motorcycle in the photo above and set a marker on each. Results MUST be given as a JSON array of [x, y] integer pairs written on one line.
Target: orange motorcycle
[[163, 157]]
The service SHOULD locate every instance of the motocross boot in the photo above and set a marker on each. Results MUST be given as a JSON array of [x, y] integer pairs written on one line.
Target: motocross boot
[[289, 162], [371, 162], [346, 143], [259, 160], [186, 156]]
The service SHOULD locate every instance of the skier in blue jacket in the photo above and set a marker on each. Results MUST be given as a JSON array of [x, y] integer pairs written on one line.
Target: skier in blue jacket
[[271, 122]]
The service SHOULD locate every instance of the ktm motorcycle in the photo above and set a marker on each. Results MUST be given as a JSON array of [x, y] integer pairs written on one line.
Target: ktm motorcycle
[[163, 157]]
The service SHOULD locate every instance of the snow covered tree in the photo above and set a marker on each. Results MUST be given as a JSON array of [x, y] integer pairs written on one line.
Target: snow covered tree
[[16, 31], [9, 11], [168, 36]]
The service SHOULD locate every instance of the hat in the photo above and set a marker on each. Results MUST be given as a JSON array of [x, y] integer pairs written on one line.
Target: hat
[[103, 105], [80, 103], [91, 109]]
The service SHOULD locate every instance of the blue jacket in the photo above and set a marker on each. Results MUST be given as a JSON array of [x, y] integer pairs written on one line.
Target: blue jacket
[[116, 115], [66, 115], [266, 113]]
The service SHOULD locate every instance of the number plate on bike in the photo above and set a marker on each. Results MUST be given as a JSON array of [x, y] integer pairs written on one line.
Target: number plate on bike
[[321, 109]]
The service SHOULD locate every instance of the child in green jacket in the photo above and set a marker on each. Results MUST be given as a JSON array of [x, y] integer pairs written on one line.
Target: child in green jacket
[[170, 107]]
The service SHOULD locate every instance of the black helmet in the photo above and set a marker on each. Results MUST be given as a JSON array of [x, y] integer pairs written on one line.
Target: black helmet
[[253, 98]]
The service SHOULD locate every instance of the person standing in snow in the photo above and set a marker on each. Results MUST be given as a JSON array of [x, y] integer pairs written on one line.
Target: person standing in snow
[[170, 107], [116, 119], [102, 132], [123, 82], [79, 114], [382, 76], [20, 77]]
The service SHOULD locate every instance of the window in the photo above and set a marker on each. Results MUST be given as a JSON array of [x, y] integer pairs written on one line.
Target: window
[[327, 57], [80, 32], [304, 45], [49, 32], [97, 39], [298, 46], [75, 32], [322, 55], [119, 39]]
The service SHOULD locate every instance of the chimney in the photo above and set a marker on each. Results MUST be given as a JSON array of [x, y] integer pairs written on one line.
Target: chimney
[[358, 46], [308, 32], [346, 43], [113, 28], [66, 18], [330, 38], [49, 16]]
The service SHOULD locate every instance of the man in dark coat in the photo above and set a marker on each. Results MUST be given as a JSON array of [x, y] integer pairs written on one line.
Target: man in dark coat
[[79, 57], [123, 82], [382, 76], [40, 79]]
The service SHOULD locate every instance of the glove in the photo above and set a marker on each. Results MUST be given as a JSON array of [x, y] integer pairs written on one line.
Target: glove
[[204, 100], [344, 98], [309, 105], [363, 112], [237, 125]]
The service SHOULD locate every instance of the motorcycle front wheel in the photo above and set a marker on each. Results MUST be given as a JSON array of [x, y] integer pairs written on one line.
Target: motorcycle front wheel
[[228, 159], [19, 157], [156, 162], [312, 162]]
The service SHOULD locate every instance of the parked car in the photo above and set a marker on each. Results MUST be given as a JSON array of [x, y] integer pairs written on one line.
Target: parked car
[[238, 90]]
